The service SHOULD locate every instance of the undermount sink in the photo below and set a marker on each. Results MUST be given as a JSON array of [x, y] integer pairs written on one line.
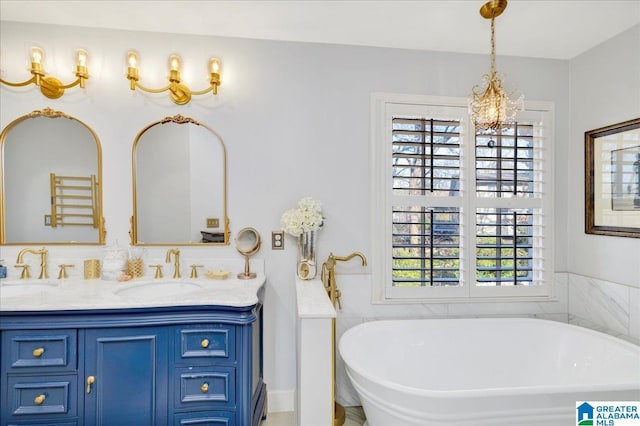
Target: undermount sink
[[158, 289], [21, 289]]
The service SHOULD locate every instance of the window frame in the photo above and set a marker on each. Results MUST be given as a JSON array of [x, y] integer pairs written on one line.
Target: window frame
[[384, 106]]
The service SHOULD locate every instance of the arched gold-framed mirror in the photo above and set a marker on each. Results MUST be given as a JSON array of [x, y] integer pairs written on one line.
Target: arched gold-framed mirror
[[51, 181], [179, 184]]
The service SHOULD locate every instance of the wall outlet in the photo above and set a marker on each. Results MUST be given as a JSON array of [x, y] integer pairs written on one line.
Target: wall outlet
[[277, 240], [47, 220], [213, 222]]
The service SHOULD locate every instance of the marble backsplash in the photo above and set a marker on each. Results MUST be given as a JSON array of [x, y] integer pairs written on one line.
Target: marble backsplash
[[607, 307]]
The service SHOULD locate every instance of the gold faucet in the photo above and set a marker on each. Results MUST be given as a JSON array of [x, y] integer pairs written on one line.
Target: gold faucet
[[43, 261], [176, 261], [328, 275]]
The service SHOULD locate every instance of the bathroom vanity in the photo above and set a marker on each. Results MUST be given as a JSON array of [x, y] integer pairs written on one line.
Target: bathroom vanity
[[151, 353]]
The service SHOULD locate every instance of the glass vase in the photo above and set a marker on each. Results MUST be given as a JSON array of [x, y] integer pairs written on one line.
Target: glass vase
[[306, 262]]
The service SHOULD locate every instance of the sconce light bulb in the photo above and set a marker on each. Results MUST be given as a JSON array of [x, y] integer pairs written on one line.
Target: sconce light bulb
[[174, 63], [132, 59], [82, 57], [214, 65], [36, 55]]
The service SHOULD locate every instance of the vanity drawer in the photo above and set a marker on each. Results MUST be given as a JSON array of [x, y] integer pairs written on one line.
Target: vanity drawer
[[41, 349], [40, 396], [205, 418], [207, 343], [213, 386]]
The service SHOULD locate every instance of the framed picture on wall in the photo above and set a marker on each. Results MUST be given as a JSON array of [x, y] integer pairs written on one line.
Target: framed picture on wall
[[612, 177]]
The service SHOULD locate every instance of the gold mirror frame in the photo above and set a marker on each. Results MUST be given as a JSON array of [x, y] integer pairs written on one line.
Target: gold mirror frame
[[98, 211], [133, 233]]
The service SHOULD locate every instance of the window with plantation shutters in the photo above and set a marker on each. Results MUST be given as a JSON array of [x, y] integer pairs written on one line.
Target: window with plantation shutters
[[455, 214], [507, 165], [425, 236]]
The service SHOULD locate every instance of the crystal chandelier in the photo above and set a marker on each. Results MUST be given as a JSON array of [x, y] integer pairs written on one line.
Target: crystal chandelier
[[491, 108]]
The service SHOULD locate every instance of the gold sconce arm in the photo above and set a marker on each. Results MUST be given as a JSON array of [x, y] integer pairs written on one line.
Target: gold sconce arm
[[24, 83], [51, 87], [178, 92]]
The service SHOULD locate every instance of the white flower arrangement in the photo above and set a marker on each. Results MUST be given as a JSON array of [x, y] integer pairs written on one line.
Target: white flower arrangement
[[306, 217]]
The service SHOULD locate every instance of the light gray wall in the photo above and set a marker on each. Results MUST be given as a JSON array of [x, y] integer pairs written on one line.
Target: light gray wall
[[295, 120], [605, 89]]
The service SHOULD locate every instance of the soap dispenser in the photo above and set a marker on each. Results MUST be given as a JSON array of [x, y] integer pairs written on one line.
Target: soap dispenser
[[114, 262], [3, 269]]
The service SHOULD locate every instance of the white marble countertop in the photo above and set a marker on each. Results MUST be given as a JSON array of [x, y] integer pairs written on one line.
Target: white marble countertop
[[312, 299], [80, 294]]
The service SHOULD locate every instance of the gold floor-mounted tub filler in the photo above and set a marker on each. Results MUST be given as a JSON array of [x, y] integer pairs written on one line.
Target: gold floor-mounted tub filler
[[328, 278]]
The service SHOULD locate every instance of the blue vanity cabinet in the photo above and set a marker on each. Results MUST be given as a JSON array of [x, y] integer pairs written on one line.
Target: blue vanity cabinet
[[125, 376], [192, 365]]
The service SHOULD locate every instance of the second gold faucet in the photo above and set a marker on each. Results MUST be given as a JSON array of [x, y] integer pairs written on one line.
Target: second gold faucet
[[176, 261]]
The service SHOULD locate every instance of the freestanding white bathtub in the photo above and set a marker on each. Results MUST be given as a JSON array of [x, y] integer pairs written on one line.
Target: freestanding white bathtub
[[493, 371]]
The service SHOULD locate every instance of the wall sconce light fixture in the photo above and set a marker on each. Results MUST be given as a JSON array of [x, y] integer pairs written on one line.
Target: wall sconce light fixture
[[490, 107], [51, 87], [179, 92]]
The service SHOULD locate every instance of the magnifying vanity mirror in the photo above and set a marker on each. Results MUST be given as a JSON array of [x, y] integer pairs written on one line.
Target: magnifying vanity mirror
[[179, 185], [51, 181], [247, 243]]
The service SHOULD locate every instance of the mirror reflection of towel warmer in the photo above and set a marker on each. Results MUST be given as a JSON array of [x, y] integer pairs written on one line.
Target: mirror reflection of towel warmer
[[74, 201]]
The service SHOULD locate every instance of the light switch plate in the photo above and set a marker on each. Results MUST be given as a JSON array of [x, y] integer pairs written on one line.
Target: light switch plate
[[277, 240], [213, 222]]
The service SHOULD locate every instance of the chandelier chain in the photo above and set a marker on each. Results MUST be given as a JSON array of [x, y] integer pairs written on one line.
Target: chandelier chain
[[493, 45]]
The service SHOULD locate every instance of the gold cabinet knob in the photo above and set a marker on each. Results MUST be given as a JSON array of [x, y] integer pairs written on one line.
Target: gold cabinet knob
[[90, 380], [204, 343], [204, 388], [37, 353], [39, 399]]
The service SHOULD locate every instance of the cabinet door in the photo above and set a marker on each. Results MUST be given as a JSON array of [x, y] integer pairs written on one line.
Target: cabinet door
[[125, 379]]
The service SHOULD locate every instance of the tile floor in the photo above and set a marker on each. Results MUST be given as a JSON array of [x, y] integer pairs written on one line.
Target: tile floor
[[354, 417]]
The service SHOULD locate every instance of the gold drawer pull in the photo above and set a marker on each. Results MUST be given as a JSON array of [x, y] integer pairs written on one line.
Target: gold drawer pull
[[204, 388], [204, 343], [38, 352], [39, 399], [90, 380]]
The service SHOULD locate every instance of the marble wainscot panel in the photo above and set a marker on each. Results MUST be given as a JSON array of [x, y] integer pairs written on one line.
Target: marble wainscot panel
[[605, 306]]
